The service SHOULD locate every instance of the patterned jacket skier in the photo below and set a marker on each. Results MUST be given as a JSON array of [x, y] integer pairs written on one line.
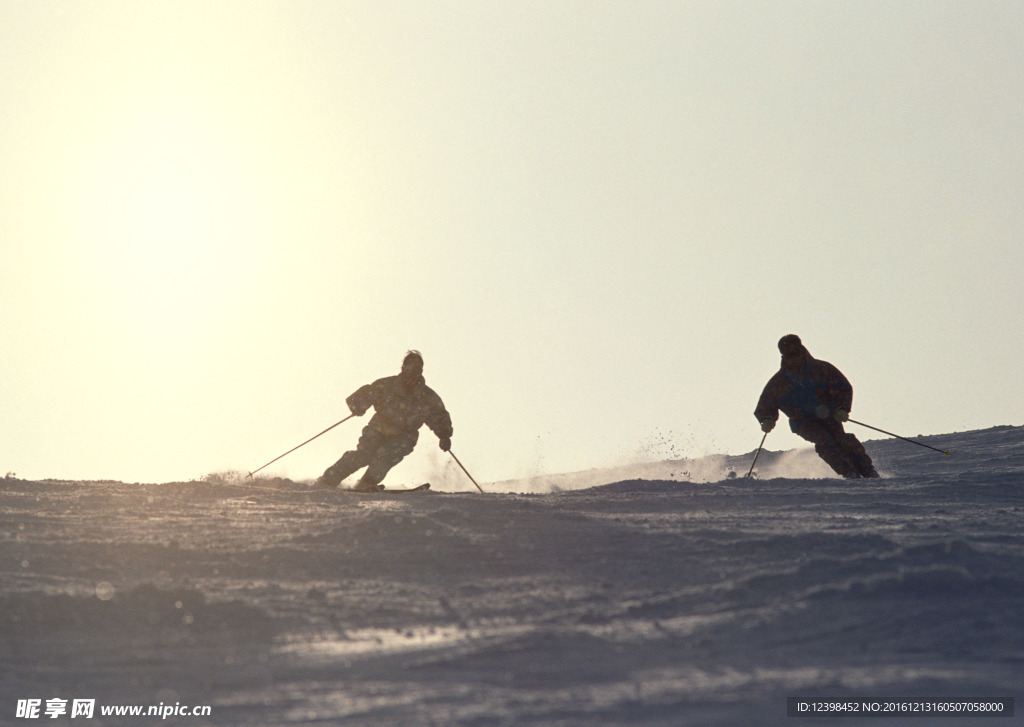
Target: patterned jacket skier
[[402, 405], [816, 391]]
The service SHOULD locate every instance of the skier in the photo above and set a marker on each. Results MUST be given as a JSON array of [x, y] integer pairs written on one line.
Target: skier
[[403, 404], [816, 397]]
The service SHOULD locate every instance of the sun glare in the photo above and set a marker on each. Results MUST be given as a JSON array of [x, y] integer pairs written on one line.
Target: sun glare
[[163, 235], [167, 214]]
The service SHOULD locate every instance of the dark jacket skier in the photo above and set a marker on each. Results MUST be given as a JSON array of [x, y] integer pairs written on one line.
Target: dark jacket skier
[[817, 398], [402, 405]]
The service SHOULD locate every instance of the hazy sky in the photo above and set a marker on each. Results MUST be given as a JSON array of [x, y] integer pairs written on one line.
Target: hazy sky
[[595, 219]]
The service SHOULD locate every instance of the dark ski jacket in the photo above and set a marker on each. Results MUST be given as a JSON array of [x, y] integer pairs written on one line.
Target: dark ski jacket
[[402, 411], [817, 391]]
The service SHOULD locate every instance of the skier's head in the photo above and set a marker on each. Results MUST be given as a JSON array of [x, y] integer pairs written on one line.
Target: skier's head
[[792, 349], [790, 344], [412, 366]]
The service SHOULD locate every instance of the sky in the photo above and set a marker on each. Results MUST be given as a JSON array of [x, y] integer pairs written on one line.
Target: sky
[[594, 219]]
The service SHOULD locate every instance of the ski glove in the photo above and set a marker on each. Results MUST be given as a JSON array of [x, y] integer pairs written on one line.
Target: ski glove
[[842, 415], [445, 444], [767, 425]]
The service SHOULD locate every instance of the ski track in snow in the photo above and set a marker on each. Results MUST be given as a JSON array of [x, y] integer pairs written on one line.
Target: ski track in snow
[[635, 601]]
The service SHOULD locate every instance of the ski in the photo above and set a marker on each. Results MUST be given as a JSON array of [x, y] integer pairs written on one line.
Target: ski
[[387, 491]]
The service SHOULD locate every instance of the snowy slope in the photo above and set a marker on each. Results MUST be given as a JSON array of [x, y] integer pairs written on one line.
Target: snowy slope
[[634, 601]]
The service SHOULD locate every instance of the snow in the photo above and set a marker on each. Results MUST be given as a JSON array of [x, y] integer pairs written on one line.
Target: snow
[[663, 594]]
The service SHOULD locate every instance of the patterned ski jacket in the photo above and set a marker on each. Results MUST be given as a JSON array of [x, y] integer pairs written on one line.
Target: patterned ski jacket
[[815, 392], [402, 411]]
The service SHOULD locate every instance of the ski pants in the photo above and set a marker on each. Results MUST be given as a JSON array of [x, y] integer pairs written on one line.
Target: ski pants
[[377, 452], [841, 450]]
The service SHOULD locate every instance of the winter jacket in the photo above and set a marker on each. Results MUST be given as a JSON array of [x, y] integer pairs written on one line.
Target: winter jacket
[[399, 411], [817, 391]]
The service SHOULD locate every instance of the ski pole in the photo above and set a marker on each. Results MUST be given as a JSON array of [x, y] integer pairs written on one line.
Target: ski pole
[[301, 445], [919, 444], [465, 470], [757, 454]]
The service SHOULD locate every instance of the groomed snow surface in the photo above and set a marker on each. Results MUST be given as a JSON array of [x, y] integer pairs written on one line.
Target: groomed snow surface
[[704, 599]]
